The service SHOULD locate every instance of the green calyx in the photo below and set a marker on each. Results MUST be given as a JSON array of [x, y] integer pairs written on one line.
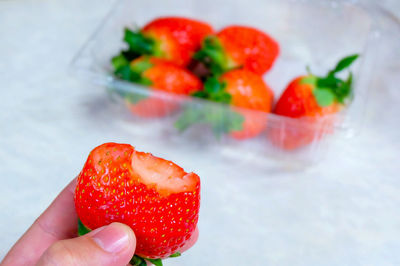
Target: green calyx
[[139, 43], [139, 261], [221, 119], [330, 89], [214, 90], [213, 55], [176, 254], [82, 229], [132, 72], [136, 260]]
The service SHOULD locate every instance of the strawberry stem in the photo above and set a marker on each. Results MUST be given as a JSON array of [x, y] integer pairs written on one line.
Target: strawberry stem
[[330, 89]]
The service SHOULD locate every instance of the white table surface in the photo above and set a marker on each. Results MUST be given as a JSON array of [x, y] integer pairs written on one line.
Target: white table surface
[[343, 211]]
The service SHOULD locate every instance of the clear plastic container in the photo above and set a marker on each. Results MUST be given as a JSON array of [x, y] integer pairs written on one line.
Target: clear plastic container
[[310, 32]]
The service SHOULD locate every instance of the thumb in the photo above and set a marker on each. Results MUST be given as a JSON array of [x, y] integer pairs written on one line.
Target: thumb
[[113, 244]]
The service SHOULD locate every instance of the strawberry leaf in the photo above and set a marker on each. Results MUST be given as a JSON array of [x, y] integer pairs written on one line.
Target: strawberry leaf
[[82, 229], [214, 90], [329, 81], [139, 43], [324, 97], [213, 56], [222, 97], [176, 254], [310, 79], [200, 94], [330, 88], [141, 66], [189, 117], [220, 120], [157, 262], [212, 85], [125, 73], [137, 261], [236, 121], [133, 97], [130, 55], [344, 89], [345, 63], [224, 122], [119, 61], [133, 73], [213, 50]]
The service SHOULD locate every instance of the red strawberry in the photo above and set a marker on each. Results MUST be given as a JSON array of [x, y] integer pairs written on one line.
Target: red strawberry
[[172, 38], [155, 197], [239, 46], [248, 91], [311, 98], [160, 75], [240, 88]]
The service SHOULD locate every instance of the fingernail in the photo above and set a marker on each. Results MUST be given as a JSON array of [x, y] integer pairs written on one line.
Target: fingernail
[[112, 238]]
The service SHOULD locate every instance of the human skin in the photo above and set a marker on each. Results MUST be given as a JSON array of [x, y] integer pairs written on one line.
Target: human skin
[[52, 239]]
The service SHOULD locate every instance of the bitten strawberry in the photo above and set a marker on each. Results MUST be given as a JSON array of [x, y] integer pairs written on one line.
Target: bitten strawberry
[[160, 75], [240, 88], [239, 47], [172, 38], [313, 98], [155, 197]]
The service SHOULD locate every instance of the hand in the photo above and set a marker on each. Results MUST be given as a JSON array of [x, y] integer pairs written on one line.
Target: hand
[[51, 240]]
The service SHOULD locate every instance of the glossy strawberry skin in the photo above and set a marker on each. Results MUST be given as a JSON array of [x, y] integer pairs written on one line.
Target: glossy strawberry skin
[[249, 91], [166, 77], [248, 47], [109, 190], [178, 38], [298, 101]]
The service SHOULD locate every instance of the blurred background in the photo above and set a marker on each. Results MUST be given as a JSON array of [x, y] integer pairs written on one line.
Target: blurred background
[[344, 210]]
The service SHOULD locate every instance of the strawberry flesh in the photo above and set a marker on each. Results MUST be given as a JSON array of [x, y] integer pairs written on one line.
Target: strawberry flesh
[[165, 176]]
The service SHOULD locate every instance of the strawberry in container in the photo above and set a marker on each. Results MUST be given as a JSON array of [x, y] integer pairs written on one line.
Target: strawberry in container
[[250, 99], [175, 39], [160, 76], [238, 47], [312, 101], [155, 197]]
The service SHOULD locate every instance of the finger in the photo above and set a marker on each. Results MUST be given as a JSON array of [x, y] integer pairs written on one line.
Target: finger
[[58, 222], [113, 244]]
